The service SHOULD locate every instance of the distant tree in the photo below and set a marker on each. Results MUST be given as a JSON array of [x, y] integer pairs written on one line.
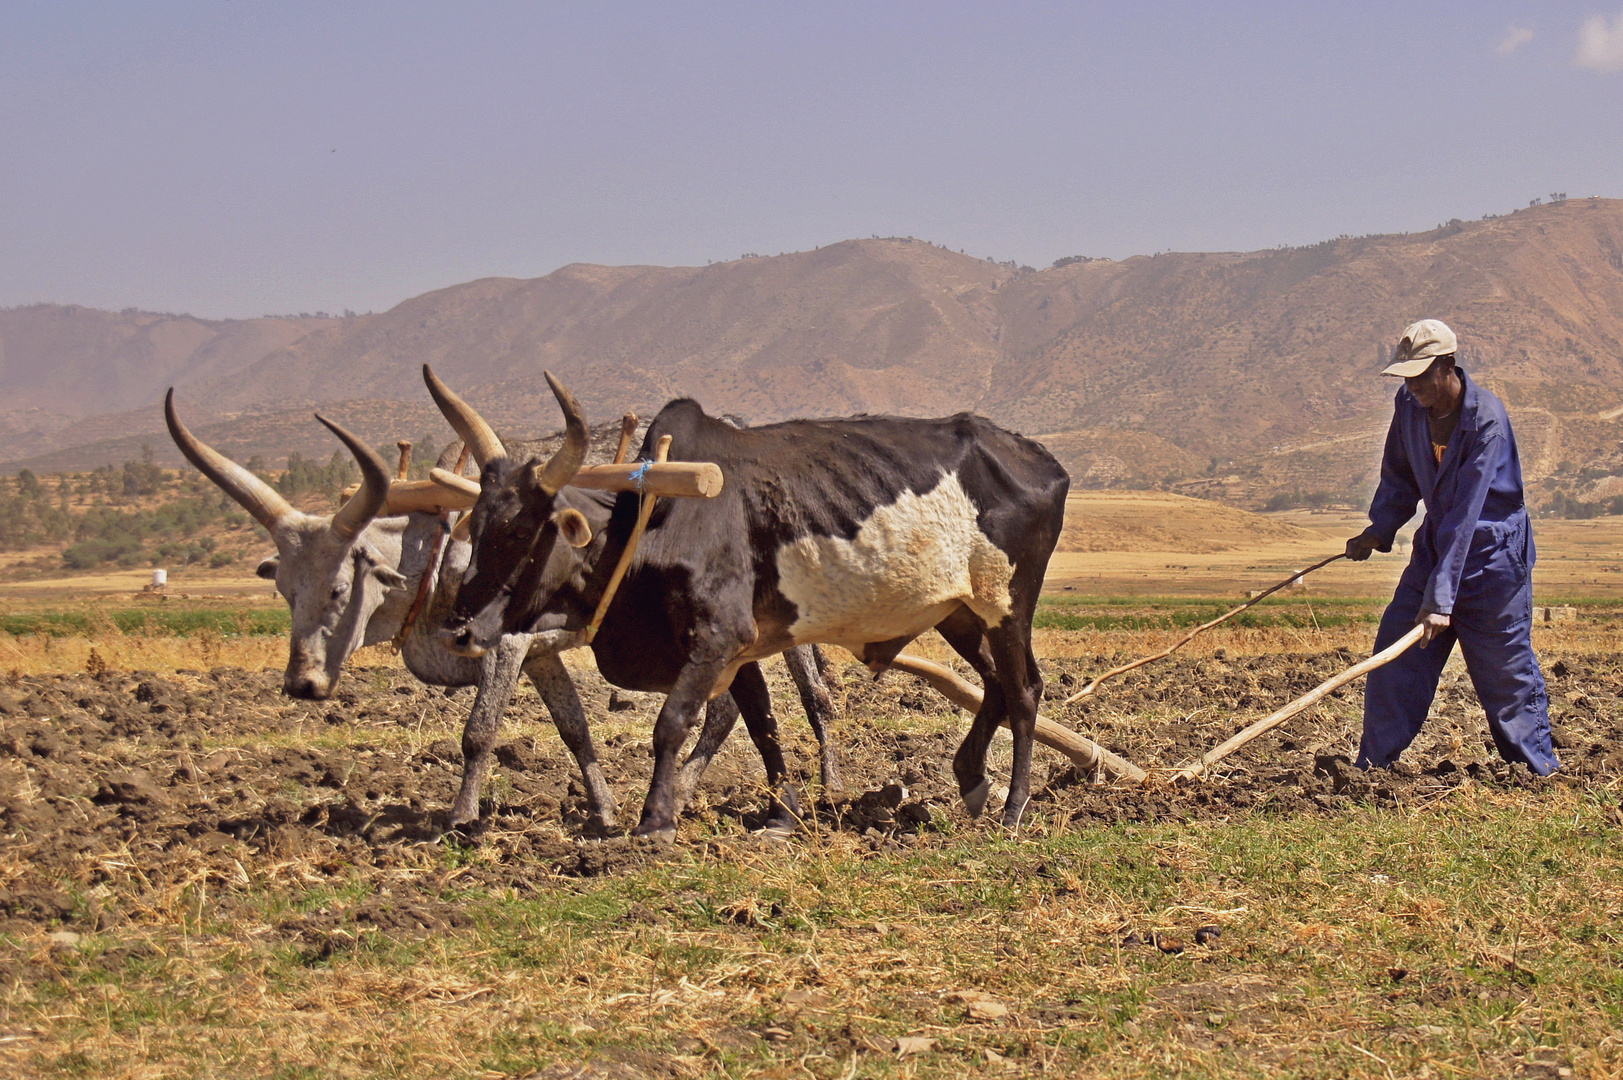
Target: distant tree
[[143, 477]]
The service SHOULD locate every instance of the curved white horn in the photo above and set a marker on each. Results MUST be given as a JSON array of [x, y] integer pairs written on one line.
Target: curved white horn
[[572, 454], [364, 505], [255, 496], [478, 436]]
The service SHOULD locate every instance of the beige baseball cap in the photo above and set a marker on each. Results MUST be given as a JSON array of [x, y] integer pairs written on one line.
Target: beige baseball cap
[[1422, 343]]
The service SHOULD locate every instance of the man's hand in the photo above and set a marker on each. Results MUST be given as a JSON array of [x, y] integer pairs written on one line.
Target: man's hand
[[1359, 547], [1432, 624]]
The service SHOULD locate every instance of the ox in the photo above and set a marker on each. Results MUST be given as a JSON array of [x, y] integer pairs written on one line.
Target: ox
[[349, 580], [862, 532]]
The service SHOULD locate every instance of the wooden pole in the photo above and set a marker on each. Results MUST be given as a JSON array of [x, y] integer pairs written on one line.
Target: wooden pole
[[458, 490], [1318, 693], [1083, 752], [628, 428], [667, 479], [460, 531], [403, 472], [448, 490], [1187, 638]]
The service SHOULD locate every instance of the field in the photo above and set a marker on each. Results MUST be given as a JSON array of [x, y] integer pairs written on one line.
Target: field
[[199, 877]]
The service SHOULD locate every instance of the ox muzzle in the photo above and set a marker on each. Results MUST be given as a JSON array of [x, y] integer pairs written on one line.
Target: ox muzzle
[[307, 685], [476, 635]]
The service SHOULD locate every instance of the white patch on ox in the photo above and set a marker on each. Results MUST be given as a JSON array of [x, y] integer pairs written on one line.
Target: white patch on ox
[[909, 565]]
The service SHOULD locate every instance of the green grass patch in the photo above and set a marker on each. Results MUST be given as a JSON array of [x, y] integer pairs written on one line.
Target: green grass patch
[[1183, 613], [176, 622]]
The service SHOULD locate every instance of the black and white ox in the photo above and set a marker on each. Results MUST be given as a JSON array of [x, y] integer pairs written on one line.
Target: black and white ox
[[862, 532], [350, 579]]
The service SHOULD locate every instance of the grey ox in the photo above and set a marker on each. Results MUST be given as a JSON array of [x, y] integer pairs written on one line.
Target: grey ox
[[350, 579]]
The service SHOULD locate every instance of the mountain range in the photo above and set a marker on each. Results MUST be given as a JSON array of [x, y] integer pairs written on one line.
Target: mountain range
[[1229, 374]]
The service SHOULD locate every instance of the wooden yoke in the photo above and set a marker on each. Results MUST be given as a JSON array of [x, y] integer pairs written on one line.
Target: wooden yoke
[[446, 490], [666, 479]]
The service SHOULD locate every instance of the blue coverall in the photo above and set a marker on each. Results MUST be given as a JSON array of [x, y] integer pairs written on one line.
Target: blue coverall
[[1472, 561]]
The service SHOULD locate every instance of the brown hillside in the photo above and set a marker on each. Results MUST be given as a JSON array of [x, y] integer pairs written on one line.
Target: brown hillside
[[1234, 374], [1139, 521], [862, 325], [60, 364]]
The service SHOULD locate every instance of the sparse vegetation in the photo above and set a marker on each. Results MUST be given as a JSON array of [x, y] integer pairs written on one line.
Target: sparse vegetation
[[1169, 613], [1560, 504], [1290, 500], [139, 513]]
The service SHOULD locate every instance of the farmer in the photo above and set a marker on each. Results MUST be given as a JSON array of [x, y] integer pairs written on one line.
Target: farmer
[[1470, 575]]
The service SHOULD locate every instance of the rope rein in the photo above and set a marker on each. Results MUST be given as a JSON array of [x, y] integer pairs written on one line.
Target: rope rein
[[425, 584], [431, 572], [645, 510]]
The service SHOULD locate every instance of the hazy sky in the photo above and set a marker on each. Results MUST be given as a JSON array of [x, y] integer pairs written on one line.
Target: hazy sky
[[231, 158]]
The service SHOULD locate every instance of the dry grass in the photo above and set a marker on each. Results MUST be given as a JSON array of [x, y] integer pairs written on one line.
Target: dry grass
[[39, 654], [1581, 636], [1468, 938], [1143, 548]]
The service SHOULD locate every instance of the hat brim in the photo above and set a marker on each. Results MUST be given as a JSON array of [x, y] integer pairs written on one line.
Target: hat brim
[[1408, 369]]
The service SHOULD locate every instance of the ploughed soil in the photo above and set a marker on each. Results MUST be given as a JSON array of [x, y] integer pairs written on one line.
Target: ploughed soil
[[118, 790]]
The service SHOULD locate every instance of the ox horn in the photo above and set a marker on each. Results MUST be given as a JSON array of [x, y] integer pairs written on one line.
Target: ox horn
[[255, 496], [476, 434], [364, 505], [572, 454]]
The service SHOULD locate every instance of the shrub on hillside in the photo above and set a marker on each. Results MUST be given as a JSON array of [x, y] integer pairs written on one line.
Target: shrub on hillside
[[89, 554], [1562, 505], [143, 477]]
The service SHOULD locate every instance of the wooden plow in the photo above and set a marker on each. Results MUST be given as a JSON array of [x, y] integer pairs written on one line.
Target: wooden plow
[[1088, 755]]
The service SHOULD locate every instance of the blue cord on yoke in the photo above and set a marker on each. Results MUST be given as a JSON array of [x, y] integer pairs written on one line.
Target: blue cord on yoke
[[640, 475]]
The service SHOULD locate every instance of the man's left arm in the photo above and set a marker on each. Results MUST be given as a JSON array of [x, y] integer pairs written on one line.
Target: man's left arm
[[1456, 528]]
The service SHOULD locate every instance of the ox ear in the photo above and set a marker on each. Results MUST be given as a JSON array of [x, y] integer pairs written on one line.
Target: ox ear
[[267, 569], [391, 578], [573, 527], [368, 562]]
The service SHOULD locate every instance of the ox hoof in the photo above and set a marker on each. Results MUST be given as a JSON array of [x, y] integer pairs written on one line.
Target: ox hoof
[[975, 798], [465, 832], [598, 829], [1012, 814], [659, 834], [777, 832]]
